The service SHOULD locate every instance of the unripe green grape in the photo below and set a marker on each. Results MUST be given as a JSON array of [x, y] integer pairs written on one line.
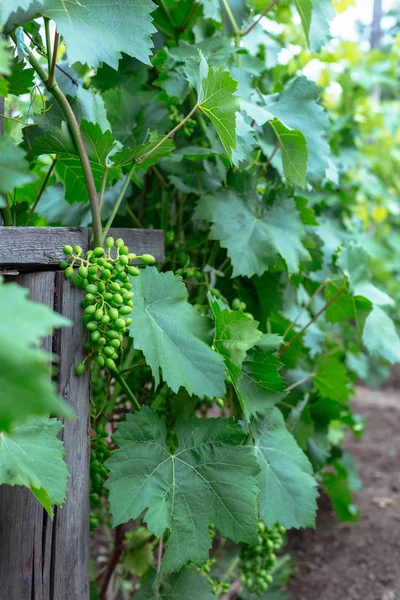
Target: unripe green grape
[[106, 274], [147, 259], [220, 402], [123, 276], [84, 283], [108, 351], [89, 297], [129, 303], [126, 296], [119, 243], [92, 270], [105, 319], [134, 271], [108, 296], [67, 250], [90, 310], [127, 286], [98, 315], [114, 314], [92, 278], [124, 250], [91, 288], [115, 343], [98, 251], [102, 286], [110, 364], [236, 304], [119, 268], [124, 260], [63, 264], [269, 578], [78, 250], [80, 369], [112, 334], [114, 286], [101, 341], [83, 271], [118, 298], [95, 335], [92, 325], [119, 324], [89, 254], [128, 321], [76, 281], [110, 242], [69, 271], [125, 310], [132, 256], [101, 262]]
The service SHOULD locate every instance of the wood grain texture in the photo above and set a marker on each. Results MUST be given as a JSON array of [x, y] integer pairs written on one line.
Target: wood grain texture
[[71, 537], [25, 529], [36, 248]]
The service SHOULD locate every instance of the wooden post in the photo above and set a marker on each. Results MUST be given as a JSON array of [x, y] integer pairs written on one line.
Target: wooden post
[[40, 558]]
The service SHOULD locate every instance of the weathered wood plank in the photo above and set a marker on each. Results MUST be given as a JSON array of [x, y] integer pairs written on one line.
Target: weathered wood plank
[[37, 248], [25, 529], [71, 538]]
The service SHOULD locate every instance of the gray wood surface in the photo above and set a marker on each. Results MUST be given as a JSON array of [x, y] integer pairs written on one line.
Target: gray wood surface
[[25, 529], [37, 248], [40, 558]]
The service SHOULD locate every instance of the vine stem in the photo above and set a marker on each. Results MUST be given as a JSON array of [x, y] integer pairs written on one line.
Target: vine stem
[[42, 188], [266, 11], [274, 151], [231, 17], [69, 115], [48, 41], [159, 553], [118, 201], [53, 60], [317, 291], [315, 317], [297, 383], [119, 542], [127, 389], [170, 134]]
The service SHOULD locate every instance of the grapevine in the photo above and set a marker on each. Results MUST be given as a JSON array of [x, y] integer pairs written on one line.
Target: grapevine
[[104, 276]]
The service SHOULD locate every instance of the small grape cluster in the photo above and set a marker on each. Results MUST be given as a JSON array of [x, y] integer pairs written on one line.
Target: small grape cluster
[[257, 562], [104, 276], [219, 587]]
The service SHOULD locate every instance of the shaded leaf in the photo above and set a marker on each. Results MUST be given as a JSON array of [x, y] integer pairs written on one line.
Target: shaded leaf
[[14, 169], [294, 151]]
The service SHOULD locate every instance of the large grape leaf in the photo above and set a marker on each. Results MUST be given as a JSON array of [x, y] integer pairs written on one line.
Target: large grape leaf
[[98, 32], [5, 66], [260, 386], [254, 232], [173, 336], [209, 479], [14, 169], [380, 336], [288, 491], [7, 7], [322, 14], [25, 377], [304, 8], [31, 455], [297, 108], [187, 585], [294, 151], [216, 98], [353, 261], [20, 80]]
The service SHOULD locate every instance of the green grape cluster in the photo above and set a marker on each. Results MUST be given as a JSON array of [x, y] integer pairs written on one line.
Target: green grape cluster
[[257, 562], [104, 276], [99, 452], [219, 587]]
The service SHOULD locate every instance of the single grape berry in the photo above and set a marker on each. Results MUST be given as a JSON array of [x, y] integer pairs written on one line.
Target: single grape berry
[[147, 259], [69, 271], [80, 369], [67, 250], [78, 250], [63, 264], [110, 242]]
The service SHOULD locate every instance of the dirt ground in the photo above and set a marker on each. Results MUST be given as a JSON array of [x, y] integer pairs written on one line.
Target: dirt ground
[[361, 561]]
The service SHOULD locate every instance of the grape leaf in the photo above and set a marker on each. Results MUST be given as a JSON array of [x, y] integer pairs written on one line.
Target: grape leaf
[[294, 151], [128, 155], [353, 261], [254, 233], [187, 584], [14, 169], [322, 14], [331, 379], [234, 335], [337, 487], [209, 479], [216, 98], [7, 7], [96, 32], [296, 107], [21, 80], [288, 491], [25, 380], [245, 141], [70, 172], [304, 8], [5, 67], [380, 336], [173, 336], [260, 385], [32, 456]]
